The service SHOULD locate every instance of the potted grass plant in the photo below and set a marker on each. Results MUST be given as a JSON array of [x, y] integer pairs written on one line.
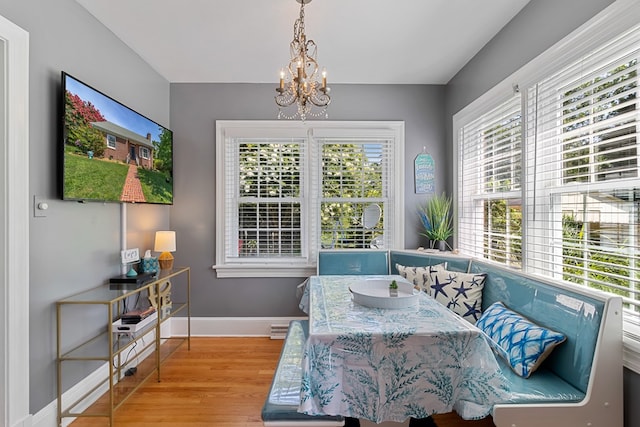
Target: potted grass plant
[[437, 221]]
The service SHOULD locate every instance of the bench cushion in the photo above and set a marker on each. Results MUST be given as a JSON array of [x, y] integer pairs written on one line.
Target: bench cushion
[[542, 387], [284, 395]]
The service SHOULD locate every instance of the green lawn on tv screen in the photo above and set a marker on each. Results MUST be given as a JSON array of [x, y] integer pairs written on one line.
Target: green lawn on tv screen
[[95, 179], [155, 186], [99, 179]]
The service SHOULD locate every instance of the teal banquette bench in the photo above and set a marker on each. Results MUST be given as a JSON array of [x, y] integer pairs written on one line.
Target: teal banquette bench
[[580, 383], [281, 406]]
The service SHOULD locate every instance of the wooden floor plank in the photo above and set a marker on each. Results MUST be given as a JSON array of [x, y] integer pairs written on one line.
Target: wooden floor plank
[[221, 382]]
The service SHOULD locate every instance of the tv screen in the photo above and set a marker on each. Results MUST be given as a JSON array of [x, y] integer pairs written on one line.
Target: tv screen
[[110, 153]]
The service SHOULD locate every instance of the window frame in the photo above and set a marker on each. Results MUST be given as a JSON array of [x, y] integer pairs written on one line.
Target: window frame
[[112, 141], [145, 152], [310, 132], [618, 18]]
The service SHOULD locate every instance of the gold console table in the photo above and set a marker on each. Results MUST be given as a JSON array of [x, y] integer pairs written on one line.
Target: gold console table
[[110, 349]]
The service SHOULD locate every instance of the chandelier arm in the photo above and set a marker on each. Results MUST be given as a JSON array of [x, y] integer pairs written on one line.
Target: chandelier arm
[[282, 103], [310, 45], [320, 100]]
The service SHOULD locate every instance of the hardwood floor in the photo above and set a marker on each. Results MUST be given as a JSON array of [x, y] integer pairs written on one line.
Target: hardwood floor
[[221, 382]]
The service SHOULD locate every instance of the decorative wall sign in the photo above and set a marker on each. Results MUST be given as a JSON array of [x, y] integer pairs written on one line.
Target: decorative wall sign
[[424, 174]]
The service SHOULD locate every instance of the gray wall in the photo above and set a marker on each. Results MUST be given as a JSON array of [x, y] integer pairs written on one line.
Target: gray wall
[[76, 246], [537, 27], [194, 110]]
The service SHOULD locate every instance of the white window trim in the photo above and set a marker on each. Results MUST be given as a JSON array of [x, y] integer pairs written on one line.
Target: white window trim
[[115, 141], [248, 128], [144, 150], [617, 18]]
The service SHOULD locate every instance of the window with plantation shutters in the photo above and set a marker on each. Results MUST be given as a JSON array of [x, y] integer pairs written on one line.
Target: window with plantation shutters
[[286, 190]]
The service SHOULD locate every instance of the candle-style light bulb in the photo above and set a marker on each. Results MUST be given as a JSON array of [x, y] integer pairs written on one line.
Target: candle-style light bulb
[[299, 68], [324, 78], [281, 78]]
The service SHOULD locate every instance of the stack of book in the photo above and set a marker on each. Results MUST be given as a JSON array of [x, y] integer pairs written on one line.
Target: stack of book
[[135, 316]]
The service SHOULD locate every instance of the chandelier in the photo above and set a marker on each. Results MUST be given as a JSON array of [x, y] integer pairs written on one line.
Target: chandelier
[[299, 80]]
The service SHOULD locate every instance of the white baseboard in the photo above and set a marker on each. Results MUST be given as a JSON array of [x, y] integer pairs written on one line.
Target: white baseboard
[[228, 326], [176, 327], [24, 422], [48, 416]]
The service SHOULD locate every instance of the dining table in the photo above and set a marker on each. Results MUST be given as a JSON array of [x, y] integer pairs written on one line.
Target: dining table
[[391, 364]]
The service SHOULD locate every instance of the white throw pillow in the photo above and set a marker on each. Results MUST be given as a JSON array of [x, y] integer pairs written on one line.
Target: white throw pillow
[[421, 276]]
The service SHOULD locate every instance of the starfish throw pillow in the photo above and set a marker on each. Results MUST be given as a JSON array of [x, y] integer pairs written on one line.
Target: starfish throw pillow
[[459, 292]]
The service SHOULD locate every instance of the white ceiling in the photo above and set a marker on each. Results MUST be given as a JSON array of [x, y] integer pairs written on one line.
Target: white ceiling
[[359, 41]]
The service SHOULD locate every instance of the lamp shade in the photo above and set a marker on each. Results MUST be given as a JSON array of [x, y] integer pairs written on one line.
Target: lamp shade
[[165, 241]]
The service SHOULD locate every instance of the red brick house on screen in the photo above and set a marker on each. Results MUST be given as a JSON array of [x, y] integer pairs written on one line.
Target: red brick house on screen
[[126, 146]]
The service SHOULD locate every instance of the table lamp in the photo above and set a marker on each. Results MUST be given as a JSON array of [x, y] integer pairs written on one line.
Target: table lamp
[[165, 243]]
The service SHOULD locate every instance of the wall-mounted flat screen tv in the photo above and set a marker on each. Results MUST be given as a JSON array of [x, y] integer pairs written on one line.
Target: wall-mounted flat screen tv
[[110, 153]]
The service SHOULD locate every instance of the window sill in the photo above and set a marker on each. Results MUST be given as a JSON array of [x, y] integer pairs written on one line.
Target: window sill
[[264, 270]]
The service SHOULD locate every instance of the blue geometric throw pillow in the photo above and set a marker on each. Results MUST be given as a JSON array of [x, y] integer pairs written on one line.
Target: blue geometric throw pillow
[[522, 343]]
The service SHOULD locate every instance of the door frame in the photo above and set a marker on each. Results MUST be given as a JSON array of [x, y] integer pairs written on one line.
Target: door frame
[[15, 202]]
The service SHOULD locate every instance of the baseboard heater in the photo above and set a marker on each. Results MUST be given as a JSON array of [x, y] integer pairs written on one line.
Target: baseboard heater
[[279, 332]]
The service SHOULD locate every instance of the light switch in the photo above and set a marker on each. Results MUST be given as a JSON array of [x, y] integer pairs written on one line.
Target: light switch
[[40, 207]]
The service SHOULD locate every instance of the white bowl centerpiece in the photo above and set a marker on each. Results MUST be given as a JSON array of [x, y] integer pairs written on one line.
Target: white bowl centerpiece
[[384, 293]]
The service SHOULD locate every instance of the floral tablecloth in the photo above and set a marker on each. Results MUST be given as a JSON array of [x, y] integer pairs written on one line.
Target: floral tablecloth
[[388, 365]]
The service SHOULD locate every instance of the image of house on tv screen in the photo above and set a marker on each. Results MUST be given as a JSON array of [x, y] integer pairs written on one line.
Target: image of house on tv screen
[[112, 153]]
